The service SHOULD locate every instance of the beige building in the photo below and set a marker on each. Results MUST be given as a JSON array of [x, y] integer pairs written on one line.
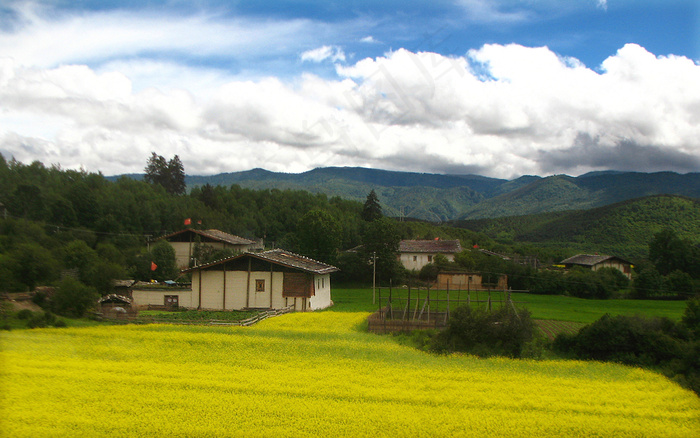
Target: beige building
[[272, 279], [184, 243], [458, 280], [595, 262], [414, 254]]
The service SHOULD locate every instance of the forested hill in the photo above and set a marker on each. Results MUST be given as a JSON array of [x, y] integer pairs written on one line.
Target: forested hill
[[437, 197], [622, 228]]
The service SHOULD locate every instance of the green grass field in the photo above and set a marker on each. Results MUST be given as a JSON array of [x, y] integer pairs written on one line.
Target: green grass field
[[553, 307]]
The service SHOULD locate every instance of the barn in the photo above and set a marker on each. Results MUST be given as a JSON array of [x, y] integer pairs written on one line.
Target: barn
[[272, 279]]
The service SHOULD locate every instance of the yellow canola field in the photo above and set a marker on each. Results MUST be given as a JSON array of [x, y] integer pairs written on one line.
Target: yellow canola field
[[312, 374]]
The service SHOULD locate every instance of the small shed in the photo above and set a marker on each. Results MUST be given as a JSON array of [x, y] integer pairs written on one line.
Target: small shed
[[272, 279], [595, 262], [460, 280], [414, 254], [116, 306]]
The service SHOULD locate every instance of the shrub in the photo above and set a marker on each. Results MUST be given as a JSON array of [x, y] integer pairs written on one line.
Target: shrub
[[40, 320], [73, 298], [25, 314], [632, 340], [503, 332]]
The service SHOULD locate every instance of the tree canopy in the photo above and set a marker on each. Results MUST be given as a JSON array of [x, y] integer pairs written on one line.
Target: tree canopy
[[371, 210], [169, 174]]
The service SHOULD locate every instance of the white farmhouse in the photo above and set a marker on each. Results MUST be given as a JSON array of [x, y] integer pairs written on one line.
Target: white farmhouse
[[414, 254], [272, 279]]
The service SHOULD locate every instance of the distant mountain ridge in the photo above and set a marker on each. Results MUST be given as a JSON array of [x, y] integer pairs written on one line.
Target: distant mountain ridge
[[437, 197], [623, 228]]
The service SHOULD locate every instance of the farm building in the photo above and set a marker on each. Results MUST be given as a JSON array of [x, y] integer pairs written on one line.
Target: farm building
[[115, 306], [414, 254], [184, 242], [470, 281], [595, 262], [272, 279]]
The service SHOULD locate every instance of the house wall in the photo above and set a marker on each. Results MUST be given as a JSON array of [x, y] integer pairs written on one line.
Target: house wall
[[144, 297], [468, 281], [322, 297], [182, 250], [416, 260], [622, 267], [240, 290]]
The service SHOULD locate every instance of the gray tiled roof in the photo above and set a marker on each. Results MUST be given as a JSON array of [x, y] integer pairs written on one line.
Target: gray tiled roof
[[589, 260], [279, 257], [216, 235], [430, 246]]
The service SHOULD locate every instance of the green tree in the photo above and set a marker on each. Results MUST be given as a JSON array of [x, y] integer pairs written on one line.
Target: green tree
[[668, 252], [381, 239], [319, 235], [372, 210], [34, 264], [162, 255], [502, 332], [648, 283], [679, 283], [168, 174], [73, 298]]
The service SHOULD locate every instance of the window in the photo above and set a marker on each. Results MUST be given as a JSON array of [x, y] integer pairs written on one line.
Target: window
[[430, 259], [415, 258], [259, 285]]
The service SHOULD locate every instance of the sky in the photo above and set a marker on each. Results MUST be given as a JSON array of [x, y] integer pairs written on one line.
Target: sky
[[500, 88]]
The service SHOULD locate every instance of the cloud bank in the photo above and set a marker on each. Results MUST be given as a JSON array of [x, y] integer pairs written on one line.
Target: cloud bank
[[499, 110]]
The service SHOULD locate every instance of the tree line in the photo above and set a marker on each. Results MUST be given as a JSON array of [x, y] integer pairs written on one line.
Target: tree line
[[57, 222]]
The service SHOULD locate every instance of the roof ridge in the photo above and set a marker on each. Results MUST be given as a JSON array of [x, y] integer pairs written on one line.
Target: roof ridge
[[298, 255]]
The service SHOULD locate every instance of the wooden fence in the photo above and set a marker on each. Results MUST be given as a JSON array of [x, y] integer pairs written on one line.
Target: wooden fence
[[212, 322], [423, 308]]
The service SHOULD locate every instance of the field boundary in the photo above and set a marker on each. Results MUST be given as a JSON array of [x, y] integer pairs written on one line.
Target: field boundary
[[209, 322]]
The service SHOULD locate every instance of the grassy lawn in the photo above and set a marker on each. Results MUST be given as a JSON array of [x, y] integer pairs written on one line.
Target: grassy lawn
[[554, 307]]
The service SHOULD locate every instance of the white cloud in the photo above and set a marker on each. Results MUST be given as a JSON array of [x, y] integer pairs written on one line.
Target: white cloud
[[602, 4], [500, 111], [369, 39], [45, 37], [320, 54], [489, 11]]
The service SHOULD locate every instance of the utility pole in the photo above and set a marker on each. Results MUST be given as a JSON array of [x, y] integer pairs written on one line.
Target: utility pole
[[374, 277]]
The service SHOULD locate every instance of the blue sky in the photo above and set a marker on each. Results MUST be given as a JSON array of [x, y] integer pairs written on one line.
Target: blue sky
[[501, 88]]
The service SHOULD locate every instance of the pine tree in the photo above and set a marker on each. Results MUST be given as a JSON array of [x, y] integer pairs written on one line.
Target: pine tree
[[371, 211], [169, 174]]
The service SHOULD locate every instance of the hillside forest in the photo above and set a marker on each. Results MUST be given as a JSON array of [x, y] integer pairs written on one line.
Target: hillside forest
[[80, 231]]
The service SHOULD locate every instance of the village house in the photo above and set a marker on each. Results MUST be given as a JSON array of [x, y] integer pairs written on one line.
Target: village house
[[184, 243], [272, 279], [459, 280], [414, 254], [595, 262]]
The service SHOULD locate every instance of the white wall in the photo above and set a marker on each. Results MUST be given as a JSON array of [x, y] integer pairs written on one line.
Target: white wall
[[239, 292], [421, 259], [322, 297], [157, 297]]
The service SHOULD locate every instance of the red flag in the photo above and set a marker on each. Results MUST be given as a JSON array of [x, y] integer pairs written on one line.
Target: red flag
[[188, 221], [437, 238], [476, 246], [199, 222], [153, 266]]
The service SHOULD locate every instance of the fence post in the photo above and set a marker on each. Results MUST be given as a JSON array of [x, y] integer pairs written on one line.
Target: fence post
[[408, 304]]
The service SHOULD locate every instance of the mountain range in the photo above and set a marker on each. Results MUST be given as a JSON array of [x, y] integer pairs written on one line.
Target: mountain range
[[438, 198]]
